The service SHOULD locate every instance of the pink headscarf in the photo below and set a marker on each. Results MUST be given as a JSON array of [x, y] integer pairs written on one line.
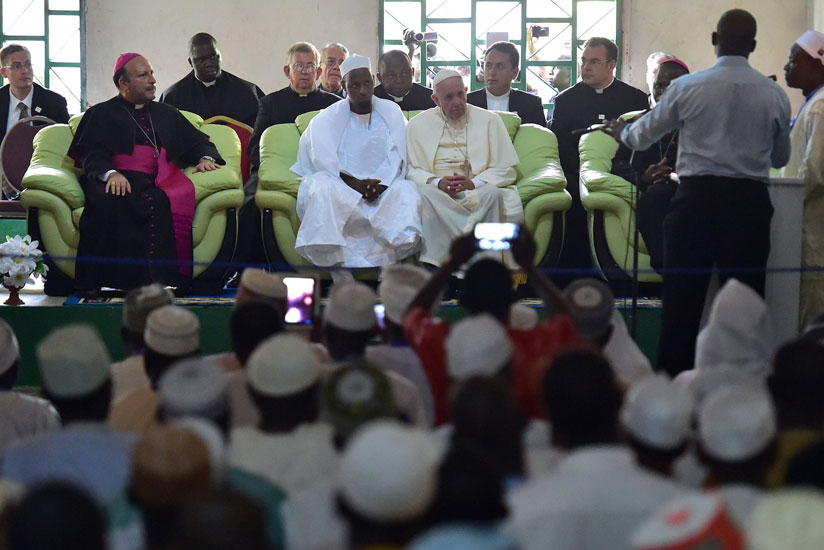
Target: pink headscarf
[[123, 59]]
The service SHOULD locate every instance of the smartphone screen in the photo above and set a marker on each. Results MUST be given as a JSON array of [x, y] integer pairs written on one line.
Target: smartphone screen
[[380, 312], [300, 295], [495, 236]]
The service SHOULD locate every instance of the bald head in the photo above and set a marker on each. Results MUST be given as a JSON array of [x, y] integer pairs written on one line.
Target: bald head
[[735, 33]]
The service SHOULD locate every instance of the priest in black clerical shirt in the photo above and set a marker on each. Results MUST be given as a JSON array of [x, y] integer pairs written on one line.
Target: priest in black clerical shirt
[[597, 98], [210, 91], [395, 75]]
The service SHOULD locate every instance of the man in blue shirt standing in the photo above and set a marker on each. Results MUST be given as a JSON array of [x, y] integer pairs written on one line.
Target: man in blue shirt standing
[[734, 125]]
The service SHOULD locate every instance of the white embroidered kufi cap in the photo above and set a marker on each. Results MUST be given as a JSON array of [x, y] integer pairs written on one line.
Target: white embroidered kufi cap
[[736, 423], [9, 347], [173, 331], [353, 62], [283, 365], [263, 283], [656, 413], [477, 346], [812, 42], [400, 283], [786, 519], [388, 472], [73, 361], [140, 302], [194, 387], [443, 74], [351, 306], [522, 316], [591, 302]]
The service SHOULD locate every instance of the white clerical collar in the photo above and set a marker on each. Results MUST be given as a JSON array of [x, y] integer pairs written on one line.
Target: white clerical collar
[[490, 95], [208, 84], [601, 90], [397, 99], [14, 102]]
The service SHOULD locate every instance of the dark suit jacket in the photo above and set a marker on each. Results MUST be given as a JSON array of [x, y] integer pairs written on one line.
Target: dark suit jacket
[[51, 104], [528, 106]]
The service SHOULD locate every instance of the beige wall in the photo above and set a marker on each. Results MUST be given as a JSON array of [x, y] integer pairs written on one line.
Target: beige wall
[[253, 35], [683, 28]]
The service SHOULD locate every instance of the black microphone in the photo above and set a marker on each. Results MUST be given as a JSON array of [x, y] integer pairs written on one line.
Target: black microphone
[[588, 129]]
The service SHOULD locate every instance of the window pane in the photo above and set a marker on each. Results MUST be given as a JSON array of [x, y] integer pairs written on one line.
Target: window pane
[[498, 17], [596, 19], [23, 18], [464, 70], [454, 41], [550, 42], [66, 82], [38, 57], [543, 81], [64, 4], [448, 8], [399, 16], [549, 8], [64, 38]]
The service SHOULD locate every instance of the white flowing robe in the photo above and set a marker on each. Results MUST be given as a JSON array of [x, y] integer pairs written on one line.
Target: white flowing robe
[[807, 162], [338, 227], [433, 153]]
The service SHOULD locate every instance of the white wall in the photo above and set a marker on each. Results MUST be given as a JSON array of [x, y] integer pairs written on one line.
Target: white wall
[[253, 35], [683, 28]]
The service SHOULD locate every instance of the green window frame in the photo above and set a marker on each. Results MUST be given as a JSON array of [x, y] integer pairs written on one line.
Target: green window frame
[[44, 37]]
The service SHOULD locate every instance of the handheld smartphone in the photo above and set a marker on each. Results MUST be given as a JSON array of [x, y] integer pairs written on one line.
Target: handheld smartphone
[[495, 236], [380, 313], [301, 300]]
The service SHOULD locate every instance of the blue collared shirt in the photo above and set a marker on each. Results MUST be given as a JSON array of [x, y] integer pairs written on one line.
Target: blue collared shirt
[[733, 122]]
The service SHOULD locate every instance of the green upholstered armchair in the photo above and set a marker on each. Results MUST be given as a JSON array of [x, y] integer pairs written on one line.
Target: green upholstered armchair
[[540, 182], [54, 202], [610, 204]]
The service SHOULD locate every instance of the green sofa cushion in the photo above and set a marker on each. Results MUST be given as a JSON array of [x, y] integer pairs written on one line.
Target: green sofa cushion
[[596, 152], [279, 145], [539, 171], [50, 169], [303, 121]]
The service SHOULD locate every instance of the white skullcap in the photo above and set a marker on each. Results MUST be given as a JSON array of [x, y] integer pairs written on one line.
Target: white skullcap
[[9, 347], [812, 42], [400, 283], [283, 365], [73, 361], [656, 413], [194, 387], [688, 522], [172, 331], [443, 74], [522, 317], [477, 346], [736, 423], [351, 306], [591, 303], [353, 62], [788, 519], [388, 472], [211, 436], [263, 283], [140, 302]]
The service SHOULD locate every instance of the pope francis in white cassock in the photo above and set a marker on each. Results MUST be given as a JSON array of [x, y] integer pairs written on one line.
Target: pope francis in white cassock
[[355, 207], [463, 161]]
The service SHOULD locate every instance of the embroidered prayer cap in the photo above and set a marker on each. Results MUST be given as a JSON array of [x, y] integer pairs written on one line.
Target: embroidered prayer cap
[[123, 59], [194, 387], [591, 302], [73, 361], [353, 62], [173, 331], [140, 302], [355, 394], [443, 74], [736, 423], [388, 472], [283, 365], [812, 42], [787, 519], [263, 283], [169, 464], [9, 347], [656, 413], [689, 522], [211, 436], [477, 346], [351, 306], [522, 317], [400, 283]]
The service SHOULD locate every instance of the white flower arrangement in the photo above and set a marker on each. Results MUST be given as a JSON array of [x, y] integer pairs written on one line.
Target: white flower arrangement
[[19, 260]]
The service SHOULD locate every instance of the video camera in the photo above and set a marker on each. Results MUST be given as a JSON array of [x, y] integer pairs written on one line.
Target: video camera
[[411, 36]]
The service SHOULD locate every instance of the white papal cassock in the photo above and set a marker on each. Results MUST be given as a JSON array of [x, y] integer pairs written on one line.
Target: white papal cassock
[[436, 149], [338, 227]]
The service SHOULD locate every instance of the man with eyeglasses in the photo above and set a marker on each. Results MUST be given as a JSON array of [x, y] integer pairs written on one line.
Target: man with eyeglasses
[[501, 61], [210, 91], [395, 74], [331, 57]]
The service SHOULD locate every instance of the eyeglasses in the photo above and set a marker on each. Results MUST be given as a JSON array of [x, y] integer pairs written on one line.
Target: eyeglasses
[[17, 66], [332, 62], [300, 67]]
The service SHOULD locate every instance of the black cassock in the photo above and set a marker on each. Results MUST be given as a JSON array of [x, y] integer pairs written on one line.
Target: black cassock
[[129, 241], [229, 96]]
